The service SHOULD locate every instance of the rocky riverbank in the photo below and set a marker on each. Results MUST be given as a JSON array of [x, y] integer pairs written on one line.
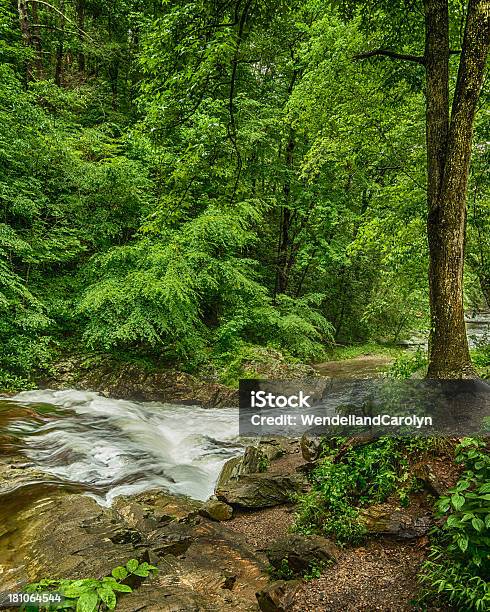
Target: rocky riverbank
[[231, 552], [136, 382]]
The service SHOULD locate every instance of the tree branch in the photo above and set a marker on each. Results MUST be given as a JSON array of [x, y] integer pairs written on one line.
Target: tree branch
[[63, 15], [418, 59]]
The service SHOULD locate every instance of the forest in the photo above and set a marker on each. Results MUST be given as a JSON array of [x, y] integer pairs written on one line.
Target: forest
[[187, 183], [198, 192]]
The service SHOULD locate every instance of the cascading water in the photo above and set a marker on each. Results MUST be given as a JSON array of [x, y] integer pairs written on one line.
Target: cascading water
[[113, 447]]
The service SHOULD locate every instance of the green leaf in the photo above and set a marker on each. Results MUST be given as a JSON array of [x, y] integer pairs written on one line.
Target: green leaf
[[131, 565], [141, 572], [108, 597], [457, 501], [462, 541], [119, 572], [453, 521], [88, 602], [478, 524], [72, 591], [122, 588]]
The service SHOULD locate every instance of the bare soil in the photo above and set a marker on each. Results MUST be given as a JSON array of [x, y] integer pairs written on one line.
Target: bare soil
[[365, 366]]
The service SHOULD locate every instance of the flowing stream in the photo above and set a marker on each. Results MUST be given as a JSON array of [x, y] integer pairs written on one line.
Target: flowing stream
[[109, 447]]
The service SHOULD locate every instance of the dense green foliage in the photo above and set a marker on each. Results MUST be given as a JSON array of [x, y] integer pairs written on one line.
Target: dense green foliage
[[458, 569], [87, 594], [195, 182], [367, 474]]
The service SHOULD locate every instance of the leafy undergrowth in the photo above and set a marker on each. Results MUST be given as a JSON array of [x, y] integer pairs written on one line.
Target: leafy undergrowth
[[481, 359], [368, 474], [411, 363], [258, 362], [458, 569], [88, 594]]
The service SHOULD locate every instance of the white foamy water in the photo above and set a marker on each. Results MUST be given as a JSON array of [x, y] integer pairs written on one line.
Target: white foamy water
[[118, 447]]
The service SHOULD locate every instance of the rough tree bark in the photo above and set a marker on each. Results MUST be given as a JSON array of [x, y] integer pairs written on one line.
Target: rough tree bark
[[58, 72], [25, 29], [449, 138], [449, 155]]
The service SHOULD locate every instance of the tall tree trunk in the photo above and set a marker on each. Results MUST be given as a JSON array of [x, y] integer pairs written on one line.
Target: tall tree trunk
[[449, 140], [449, 154], [36, 42], [81, 29], [283, 254], [58, 73], [25, 29]]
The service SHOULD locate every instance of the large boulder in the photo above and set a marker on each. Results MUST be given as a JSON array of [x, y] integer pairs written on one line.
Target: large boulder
[[387, 519], [261, 490], [301, 553], [229, 471], [274, 447], [311, 447], [69, 536], [151, 509], [217, 571], [203, 566], [255, 481]]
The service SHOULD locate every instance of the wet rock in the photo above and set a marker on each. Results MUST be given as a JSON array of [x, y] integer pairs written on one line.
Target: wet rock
[[274, 447], [229, 471], [385, 519], [75, 538], [151, 509], [174, 539], [253, 481], [130, 381], [251, 462], [202, 564], [217, 510], [310, 447], [278, 596], [218, 572], [301, 552], [16, 472], [261, 490]]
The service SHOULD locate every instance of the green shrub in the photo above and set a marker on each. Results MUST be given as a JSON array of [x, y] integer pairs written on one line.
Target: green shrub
[[186, 292], [481, 359], [458, 569], [408, 363], [368, 474], [89, 594]]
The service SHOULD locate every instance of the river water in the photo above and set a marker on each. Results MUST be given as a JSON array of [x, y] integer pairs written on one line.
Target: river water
[[109, 447]]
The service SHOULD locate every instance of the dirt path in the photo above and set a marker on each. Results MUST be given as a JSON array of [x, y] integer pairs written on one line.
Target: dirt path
[[365, 366], [381, 575]]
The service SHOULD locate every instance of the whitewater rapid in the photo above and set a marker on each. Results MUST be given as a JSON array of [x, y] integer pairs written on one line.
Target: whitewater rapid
[[114, 447]]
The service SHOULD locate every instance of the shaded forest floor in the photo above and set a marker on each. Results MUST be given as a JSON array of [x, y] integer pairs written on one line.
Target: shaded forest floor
[[381, 574]]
